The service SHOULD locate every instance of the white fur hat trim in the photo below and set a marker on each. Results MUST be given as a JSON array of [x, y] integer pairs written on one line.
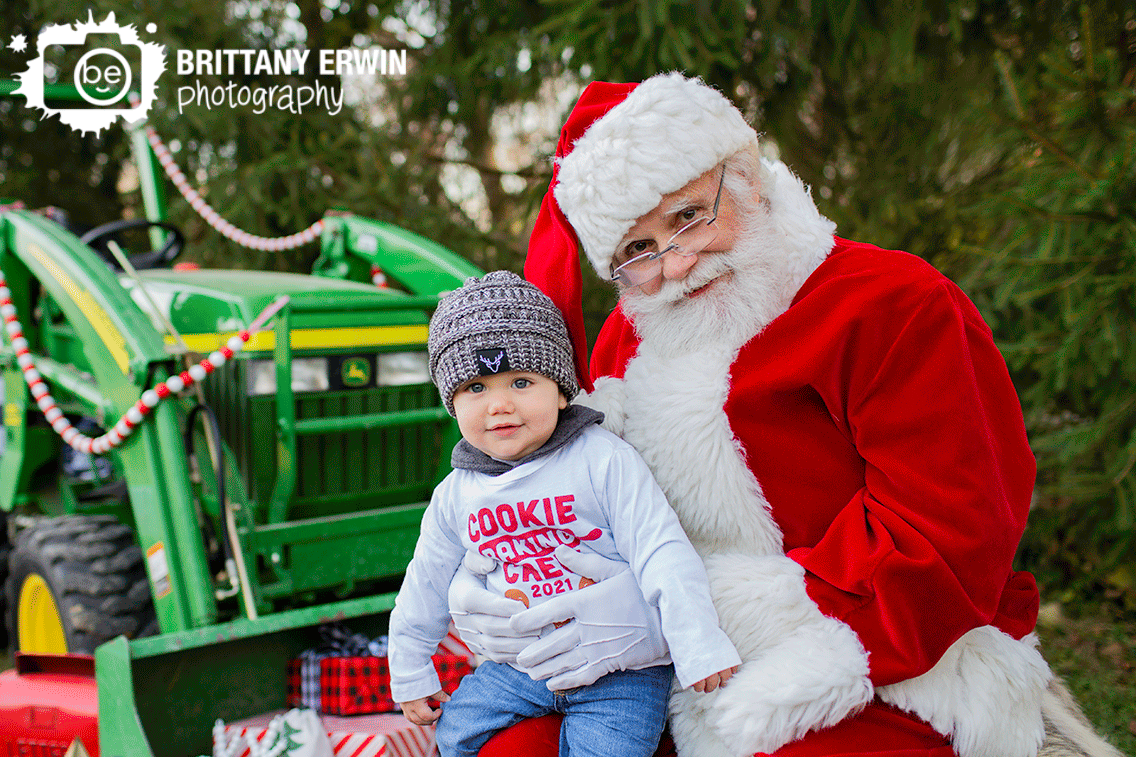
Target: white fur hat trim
[[667, 132]]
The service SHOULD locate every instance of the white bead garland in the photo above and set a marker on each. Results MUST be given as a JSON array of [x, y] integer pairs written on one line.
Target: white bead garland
[[150, 398]]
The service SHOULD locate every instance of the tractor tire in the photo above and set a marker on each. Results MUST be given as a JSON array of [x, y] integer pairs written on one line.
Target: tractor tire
[[91, 569]]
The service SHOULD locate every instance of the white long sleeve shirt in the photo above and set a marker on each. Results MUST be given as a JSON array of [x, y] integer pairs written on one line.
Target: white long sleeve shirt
[[596, 494]]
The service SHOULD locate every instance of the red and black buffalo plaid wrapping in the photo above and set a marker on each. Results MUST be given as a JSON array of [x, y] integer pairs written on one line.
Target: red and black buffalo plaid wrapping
[[361, 685], [294, 674]]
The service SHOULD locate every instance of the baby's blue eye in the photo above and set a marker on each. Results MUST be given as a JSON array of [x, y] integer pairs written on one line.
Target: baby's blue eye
[[521, 383], [475, 387]]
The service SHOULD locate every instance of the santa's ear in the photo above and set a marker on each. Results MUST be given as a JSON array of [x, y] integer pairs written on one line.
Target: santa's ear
[[748, 179]]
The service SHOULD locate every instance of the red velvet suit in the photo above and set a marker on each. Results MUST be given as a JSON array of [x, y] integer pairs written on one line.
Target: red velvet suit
[[880, 399]]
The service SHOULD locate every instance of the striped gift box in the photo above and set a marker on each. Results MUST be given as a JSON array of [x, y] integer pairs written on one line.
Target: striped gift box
[[453, 644], [360, 736]]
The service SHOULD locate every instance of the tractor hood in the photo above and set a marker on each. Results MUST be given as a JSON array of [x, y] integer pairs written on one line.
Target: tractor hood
[[206, 307]]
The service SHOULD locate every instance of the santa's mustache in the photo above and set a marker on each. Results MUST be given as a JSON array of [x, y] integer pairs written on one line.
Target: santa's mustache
[[710, 266], [745, 287]]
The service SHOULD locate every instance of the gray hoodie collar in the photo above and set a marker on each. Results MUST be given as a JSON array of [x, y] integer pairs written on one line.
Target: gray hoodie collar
[[573, 420]]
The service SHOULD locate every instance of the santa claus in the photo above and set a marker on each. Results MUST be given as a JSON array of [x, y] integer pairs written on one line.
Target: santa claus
[[832, 423]]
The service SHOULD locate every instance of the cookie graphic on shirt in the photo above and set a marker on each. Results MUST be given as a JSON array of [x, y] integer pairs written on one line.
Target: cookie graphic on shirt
[[518, 595]]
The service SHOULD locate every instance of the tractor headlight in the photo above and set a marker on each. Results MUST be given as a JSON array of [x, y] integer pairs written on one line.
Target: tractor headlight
[[309, 374], [403, 368]]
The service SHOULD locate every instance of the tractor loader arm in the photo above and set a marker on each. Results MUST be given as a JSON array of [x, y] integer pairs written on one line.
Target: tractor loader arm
[[352, 245], [112, 353]]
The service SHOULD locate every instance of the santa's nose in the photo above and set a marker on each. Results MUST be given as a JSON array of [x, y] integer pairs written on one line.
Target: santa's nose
[[677, 267]]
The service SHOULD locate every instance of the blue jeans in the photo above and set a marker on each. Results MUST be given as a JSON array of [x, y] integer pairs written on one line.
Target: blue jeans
[[621, 714]]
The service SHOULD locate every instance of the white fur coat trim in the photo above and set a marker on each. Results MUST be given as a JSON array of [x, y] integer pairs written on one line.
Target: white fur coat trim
[[801, 670], [668, 131], [985, 693]]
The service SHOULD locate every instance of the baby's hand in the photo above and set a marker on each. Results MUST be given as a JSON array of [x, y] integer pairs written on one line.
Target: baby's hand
[[708, 684], [417, 711]]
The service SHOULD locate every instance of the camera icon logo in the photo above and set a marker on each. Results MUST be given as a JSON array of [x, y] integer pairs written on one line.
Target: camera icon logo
[[103, 76], [113, 63]]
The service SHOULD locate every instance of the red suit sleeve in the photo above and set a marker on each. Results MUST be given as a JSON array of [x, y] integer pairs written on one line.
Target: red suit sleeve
[[922, 552]]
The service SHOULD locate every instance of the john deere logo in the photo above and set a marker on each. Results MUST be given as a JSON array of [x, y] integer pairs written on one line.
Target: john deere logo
[[355, 372]]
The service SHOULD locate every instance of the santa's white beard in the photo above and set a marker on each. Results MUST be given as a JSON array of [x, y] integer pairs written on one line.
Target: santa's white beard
[[749, 286]]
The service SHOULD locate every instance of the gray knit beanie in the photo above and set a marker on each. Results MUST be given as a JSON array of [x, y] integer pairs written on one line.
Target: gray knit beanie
[[495, 324]]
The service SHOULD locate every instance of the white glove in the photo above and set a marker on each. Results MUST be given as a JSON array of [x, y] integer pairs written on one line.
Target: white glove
[[612, 627], [482, 617]]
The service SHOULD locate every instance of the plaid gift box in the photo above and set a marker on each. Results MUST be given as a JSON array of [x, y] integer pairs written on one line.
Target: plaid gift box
[[344, 683], [304, 680], [361, 685], [295, 672]]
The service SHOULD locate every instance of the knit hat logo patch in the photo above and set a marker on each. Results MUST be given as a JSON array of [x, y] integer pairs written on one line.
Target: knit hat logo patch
[[492, 361]]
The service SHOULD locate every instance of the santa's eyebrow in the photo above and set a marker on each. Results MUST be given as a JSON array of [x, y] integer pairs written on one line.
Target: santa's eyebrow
[[676, 205], [682, 202]]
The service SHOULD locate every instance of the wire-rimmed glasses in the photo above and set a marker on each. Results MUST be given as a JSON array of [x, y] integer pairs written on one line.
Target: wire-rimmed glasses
[[647, 264]]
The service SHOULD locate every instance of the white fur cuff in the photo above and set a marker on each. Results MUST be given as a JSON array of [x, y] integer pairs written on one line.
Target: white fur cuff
[[985, 693], [801, 670]]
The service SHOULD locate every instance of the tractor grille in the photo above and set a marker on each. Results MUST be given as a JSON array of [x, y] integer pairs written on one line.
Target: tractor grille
[[337, 472]]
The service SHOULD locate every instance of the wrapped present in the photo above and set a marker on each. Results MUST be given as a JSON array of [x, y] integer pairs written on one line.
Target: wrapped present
[[296, 733], [348, 675], [453, 644], [304, 689], [362, 736], [360, 685]]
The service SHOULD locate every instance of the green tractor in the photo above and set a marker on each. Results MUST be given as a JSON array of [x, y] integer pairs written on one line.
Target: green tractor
[[281, 491]]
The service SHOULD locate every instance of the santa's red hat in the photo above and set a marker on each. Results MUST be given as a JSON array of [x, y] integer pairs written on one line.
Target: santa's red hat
[[622, 148]]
